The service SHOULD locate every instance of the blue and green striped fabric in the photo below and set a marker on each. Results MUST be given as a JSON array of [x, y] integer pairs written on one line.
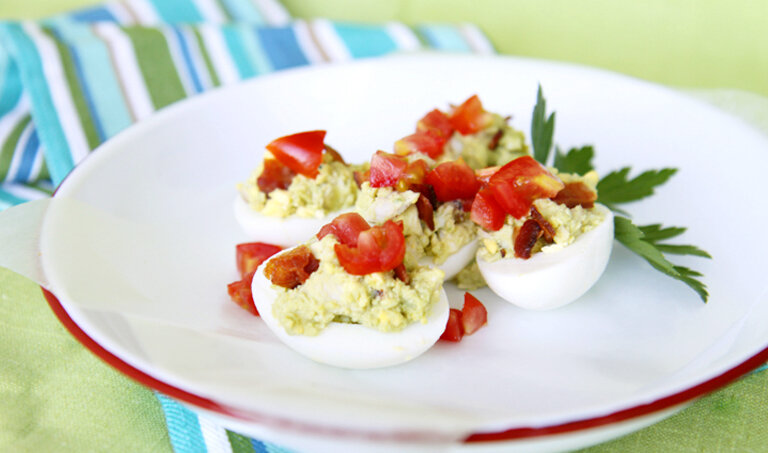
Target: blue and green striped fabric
[[24, 171], [69, 83]]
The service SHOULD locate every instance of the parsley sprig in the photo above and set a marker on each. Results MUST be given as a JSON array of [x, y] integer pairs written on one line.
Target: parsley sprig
[[616, 188]]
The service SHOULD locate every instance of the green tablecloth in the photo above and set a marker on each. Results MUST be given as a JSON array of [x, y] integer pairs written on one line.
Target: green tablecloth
[[56, 396]]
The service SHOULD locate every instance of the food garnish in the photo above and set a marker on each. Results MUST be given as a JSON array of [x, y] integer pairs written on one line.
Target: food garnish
[[617, 188]]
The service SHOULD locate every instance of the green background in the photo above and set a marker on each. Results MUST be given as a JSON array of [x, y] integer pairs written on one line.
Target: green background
[[56, 396], [690, 43]]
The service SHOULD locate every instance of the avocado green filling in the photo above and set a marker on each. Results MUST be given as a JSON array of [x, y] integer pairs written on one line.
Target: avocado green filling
[[332, 190], [569, 224], [378, 300], [453, 227], [475, 150]]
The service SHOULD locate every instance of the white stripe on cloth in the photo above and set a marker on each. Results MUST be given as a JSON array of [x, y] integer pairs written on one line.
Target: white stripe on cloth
[[274, 12], [219, 54], [120, 13], [18, 152], [201, 69], [174, 47], [145, 12], [127, 69], [23, 191], [404, 36], [476, 39], [10, 120], [211, 11], [308, 46], [214, 436], [330, 41], [60, 93]]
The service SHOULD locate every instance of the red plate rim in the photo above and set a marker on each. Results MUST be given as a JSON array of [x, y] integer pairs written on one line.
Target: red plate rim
[[517, 433]]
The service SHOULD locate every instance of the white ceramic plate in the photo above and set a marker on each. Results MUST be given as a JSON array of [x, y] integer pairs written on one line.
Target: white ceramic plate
[[139, 270]]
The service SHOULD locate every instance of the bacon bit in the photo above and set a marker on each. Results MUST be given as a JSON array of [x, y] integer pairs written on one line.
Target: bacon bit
[[503, 253], [274, 176], [495, 140], [292, 268], [526, 238], [334, 154], [576, 194], [402, 274], [361, 177], [427, 191], [547, 228], [426, 211]]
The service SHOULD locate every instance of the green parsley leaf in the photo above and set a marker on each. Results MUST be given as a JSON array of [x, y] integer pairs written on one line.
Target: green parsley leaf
[[615, 188], [577, 160], [635, 239], [542, 129]]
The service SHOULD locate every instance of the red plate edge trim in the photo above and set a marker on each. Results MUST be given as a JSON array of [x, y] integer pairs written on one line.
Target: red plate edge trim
[[667, 402]]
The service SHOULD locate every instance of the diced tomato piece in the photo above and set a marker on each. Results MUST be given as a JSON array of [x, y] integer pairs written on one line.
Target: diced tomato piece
[[576, 194], [274, 175], [454, 330], [517, 184], [292, 268], [346, 227], [453, 180], [250, 255], [379, 249], [486, 212], [386, 169], [302, 152], [473, 314], [240, 293], [484, 174], [413, 175], [425, 142], [438, 122], [469, 117], [526, 238]]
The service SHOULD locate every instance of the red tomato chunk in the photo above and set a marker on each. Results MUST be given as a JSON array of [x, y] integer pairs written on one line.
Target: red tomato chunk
[[250, 255], [240, 293], [302, 152], [379, 249]]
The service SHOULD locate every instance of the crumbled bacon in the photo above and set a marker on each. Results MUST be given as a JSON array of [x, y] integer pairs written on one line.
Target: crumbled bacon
[[427, 191], [361, 177], [274, 176], [292, 268], [575, 194], [547, 229], [526, 238], [334, 154], [495, 139], [426, 212], [402, 274]]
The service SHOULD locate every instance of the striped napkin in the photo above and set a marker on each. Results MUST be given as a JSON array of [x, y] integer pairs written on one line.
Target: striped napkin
[[71, 82]]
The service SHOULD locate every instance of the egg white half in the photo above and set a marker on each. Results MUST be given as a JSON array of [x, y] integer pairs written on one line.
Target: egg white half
[[551, 280], [455, 262], [351, 345], [285, 232]]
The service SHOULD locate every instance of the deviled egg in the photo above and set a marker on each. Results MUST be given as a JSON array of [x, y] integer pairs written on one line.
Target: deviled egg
[[544, 240], [346, 298], [301, 185]]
